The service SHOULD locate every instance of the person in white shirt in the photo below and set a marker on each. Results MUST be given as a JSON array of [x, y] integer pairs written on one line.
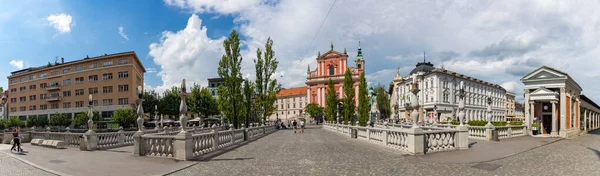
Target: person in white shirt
[[302, 126]]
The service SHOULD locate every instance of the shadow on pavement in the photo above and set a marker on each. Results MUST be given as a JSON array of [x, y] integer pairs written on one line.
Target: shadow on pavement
[[595, 151], [209, 157], [228, 159]]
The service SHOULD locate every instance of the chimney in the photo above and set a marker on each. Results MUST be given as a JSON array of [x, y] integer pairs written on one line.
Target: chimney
[[62, 60]]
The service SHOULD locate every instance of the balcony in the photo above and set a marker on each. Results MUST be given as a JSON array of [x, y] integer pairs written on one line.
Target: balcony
[[53, 87], [53, 98]]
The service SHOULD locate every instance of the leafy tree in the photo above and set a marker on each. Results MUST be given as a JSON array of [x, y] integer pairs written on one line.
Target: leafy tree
[[59, 120], [151, 99], [81, 119], [2, 124], [331, 102], [314, 110], [249, 107], [170, 102], [1, 89], [383, 102], [363, 101], [230, 93], [202, 102], [36, 121], [13, 122], [266, 86], [349, 101], [124, 117]]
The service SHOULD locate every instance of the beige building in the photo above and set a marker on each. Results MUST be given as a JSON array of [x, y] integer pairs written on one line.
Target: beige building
[[509, 106], [64, 87], [290, 104]]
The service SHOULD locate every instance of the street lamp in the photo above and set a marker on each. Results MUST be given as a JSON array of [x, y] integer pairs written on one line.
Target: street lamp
[[156, 117], [90, 112], [183, 107], [489, 110], [461, 103], [435, 118], [414, 101], [140, 110]]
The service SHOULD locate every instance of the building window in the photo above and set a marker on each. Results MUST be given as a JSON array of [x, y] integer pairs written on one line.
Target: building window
[[32, 97], [32, 87], [107, 89], [43, 107], [32, 108], [66, 70], [93, 65], [22, 99], [106, 102], [12, 81], [79, 80], [54, 95], [123, 88], [55, 72], [67, 93], [79, 92], [78, 104], [66, 82], [43, 96], [43, 85], [22, 108], [93, 90], [67, 105], [13, 100], [124, 74], [79, 68], [23, 89], [43, 75], [13, 90], [32, 77], [107, 63], [331, 70], [95, 102], [123, 61], [92, 78], [138, 79], [54, 106], [23, 79], [123, 101], [107, 76], [54, 84]]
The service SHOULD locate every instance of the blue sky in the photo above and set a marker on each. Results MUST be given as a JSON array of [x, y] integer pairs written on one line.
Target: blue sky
[[496, 41]]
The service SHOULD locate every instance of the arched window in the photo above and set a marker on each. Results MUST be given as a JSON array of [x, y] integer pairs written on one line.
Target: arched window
[[331, 70]]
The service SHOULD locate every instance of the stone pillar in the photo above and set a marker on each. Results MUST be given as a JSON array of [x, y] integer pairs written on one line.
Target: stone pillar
[[531, 115], [526, 113], [183, 146], [416, 141], [215, 139], [554, 131], [462, 140], [139, 144], [121, 138], [563, 113]]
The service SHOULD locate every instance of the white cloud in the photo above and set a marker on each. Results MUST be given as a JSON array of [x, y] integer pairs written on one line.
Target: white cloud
[[497, 41], [151, 70], [123, 33], [18, 64], [188, 53], [61, 22]]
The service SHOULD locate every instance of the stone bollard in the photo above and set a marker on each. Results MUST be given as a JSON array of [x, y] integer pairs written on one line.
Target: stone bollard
[[121, 138], [368, 133], [462, 139], [246, 136], [232, 133], [91, 140], [139, 143], [415, 141], [488, 132], [47, 134], [183, 146]]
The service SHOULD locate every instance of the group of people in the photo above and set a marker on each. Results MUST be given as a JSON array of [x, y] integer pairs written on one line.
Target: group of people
[[17, 136], [293, 124]]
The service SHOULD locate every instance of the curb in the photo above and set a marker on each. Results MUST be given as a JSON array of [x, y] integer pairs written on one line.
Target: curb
[[35, 165]]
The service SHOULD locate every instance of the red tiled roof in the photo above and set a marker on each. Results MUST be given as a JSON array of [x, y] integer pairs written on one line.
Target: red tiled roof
[[292, 91]]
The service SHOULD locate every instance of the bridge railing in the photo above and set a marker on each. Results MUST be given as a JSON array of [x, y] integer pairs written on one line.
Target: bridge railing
[[187, 146], [413, 141]]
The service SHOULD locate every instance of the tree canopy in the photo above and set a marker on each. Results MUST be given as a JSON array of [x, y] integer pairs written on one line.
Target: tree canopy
[[314, 110], [230, 94], [349, 100], [124, 117], [383, 102], [331, 102], [265, 84], [60, 120], [363, 101], [202, 102]]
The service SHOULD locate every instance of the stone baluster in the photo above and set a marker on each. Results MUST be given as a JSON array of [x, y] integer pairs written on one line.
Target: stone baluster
[[139, 143], [121, 138], [509, 131], [232, 133], [215, 139]]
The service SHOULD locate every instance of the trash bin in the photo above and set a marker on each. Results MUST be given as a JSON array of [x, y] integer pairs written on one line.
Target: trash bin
[[495, 135], [82, 143]]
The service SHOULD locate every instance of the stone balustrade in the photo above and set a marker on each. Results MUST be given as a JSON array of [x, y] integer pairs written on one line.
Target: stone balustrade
[[413, 141], [104, 140], [187, 145]]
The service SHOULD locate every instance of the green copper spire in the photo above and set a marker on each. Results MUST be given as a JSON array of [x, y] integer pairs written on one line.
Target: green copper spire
[[359, 56]]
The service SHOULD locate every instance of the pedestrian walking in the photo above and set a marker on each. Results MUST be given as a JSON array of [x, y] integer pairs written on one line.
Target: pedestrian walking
[[16, 141], [302, 126], [294, 124]]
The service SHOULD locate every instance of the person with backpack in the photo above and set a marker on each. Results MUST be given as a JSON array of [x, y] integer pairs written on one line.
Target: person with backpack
[[294, 124], [16, 140]]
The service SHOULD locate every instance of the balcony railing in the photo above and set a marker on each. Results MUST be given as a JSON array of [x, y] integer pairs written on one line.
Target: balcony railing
[[53, 98], [53, 87]]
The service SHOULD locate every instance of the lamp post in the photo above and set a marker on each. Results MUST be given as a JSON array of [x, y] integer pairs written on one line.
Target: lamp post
[[489, 110], [90, 113], [414, 101], [140, 110], [435, 118], [183, 107], [156, 117], [461, 102]]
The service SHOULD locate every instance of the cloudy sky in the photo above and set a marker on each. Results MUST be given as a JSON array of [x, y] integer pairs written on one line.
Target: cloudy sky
[[497, 41]]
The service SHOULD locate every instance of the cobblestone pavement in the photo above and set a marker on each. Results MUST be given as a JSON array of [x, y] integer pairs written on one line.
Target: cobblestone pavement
[[13, 167], [321, 152]]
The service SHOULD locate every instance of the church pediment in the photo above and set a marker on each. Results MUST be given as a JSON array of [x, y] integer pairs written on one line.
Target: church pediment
[[543, 94], [332, 54], [544, 73], [543, 91]]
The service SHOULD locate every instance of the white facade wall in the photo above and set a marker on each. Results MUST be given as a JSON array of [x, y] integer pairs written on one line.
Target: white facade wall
[[290, 107]]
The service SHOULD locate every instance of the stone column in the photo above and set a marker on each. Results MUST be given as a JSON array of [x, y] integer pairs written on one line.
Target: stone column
[[554, 131], [416, 141], [526, 113], [563, 113], [531, 115]]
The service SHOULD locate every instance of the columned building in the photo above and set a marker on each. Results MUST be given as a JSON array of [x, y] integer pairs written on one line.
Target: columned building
[[552, 100], [438, 95], [290, 104], [509, 106], [332, 65]]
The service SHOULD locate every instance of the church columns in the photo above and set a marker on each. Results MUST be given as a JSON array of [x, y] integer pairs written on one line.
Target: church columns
[[527, 115], [554, 119], [531, 112], [563, 113]]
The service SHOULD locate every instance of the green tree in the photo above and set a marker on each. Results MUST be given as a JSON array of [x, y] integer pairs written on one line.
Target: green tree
[[383, 102], [349, 101], [363, 101], [151, 99], [124, 117], [1, 89], [202, 102], [59, 120], [81, 119], [331, 102], [13, 122], [266, 85], [2, 122], [230, 93], [249, 104], [314, 110], [170, 102]]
